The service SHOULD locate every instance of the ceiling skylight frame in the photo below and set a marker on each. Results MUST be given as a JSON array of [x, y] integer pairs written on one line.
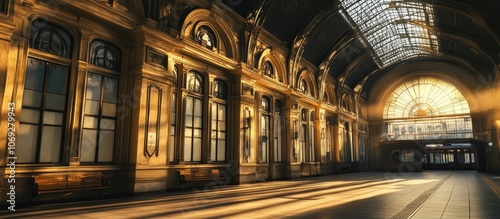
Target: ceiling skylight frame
[[395, 30]]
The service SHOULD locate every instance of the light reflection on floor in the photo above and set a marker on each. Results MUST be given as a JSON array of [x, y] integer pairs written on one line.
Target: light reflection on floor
[[360, 195]]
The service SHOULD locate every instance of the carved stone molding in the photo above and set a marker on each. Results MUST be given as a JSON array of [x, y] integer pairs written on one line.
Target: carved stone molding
[[247, 90], [156, 58]]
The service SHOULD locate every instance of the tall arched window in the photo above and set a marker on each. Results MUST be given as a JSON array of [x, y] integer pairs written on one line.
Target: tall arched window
[[194, 117], [278, 149], [427, 108], [268, 69], [303, 136], [345, 104], [219, 122], [44, 108], [101, 98], [303, 86], [311, 151], [264, 129], [326, 99], [206, 37], [173, 118]]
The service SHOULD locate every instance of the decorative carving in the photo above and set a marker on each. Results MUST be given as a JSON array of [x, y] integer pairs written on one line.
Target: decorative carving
[[247, 90], [156, 58]]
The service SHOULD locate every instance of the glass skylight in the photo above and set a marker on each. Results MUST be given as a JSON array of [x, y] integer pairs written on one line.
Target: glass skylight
[[396, 30]]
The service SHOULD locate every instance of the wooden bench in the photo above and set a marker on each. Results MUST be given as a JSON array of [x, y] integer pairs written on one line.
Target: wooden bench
[[197, 175], [72, 182]]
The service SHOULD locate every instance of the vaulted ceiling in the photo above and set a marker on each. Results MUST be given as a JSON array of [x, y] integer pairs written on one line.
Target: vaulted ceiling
[[356, 41]]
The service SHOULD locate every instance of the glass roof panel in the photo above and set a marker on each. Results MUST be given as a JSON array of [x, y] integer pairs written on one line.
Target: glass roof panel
[[395, 29]]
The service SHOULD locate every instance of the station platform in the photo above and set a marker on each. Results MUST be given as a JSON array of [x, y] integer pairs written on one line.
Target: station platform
[[428, 194]]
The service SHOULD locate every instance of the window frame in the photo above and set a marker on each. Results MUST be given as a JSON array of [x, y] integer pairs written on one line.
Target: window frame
[[64, 59]]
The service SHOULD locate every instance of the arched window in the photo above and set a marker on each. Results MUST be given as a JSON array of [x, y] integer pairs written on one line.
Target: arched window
[[101, 99], [326, 99], [206, 37], [303, 135], [193, 129], [45, 97], [219, 89], [427, 108], [219, 122], [264, 129], [194, 82], [311, 149], [277, 131], [173, 118], [345, 104], [268, 69], [50, 38], [303, 86], [105, 55]]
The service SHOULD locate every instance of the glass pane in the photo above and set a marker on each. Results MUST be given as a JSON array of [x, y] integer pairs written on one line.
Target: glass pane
[[172, 119], [214, 125], [188, 132], [189, 106], [213, 148], [50, 148], [110, 90], [89, 140], [222, 135], [31, 116], [187, 148], [109, 109], [172, 130], [90, 122], [108, 124], [214, 135], [94, 86], [197, 122], [214, 112], [197, 149], [55, 101], [53, 118], [32, 98], [171, 148], [57, 79], [222, 126], [35, 75], [221, 152], [222, 113], [197, 107], [106, 146], [197, 133], [189, 121], [26, 143], [92, 107]]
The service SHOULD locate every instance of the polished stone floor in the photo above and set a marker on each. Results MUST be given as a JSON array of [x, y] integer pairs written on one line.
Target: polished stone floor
[[429, 194]]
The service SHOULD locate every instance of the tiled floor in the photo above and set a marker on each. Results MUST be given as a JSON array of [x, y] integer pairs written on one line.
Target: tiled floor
[[430, 194]]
